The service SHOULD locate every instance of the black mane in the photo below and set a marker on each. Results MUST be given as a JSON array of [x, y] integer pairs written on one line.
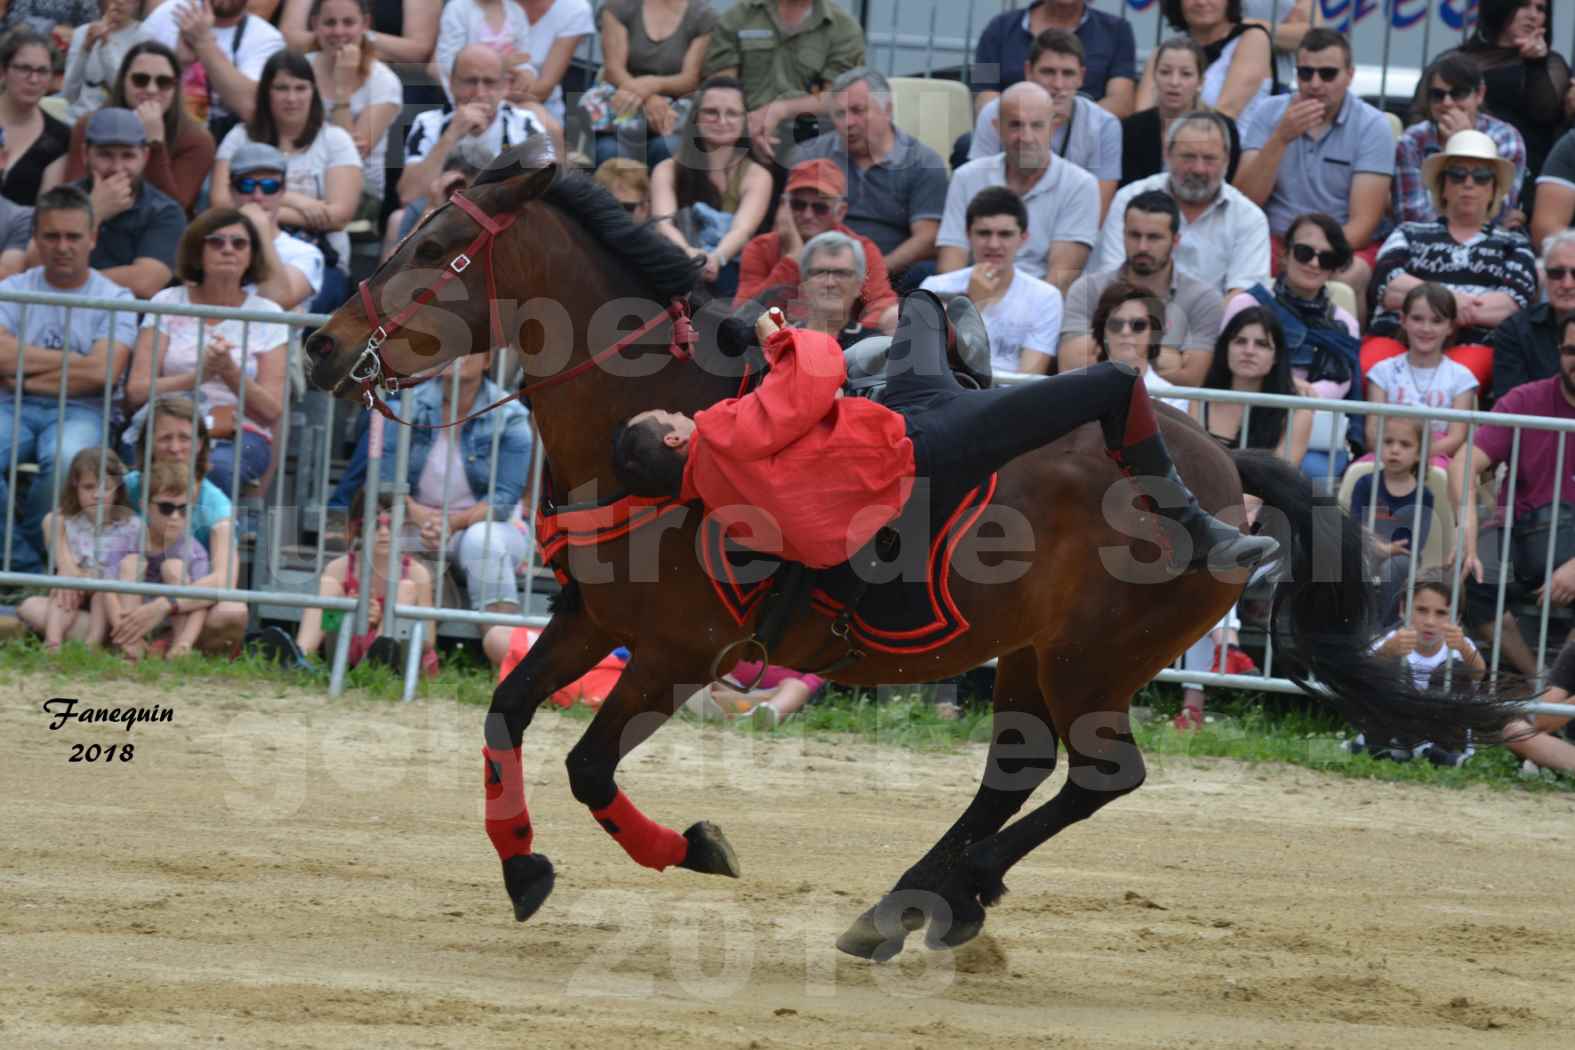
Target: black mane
[[667, 269]]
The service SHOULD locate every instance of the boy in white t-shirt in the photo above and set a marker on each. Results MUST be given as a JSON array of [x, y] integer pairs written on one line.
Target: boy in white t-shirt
[[1021, 312], [1427, 641]]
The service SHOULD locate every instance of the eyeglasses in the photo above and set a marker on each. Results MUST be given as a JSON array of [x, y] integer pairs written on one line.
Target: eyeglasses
[[1480, 176], [800, 204], [1306, 253], [712, 114], [840, 273], [1459, 94], [475, 83], [141, 80], [248, 184], [234, 243], [1135, 325], [1325, 73], [170, 509], [36, 72], [1560, 273], [1567, 350]]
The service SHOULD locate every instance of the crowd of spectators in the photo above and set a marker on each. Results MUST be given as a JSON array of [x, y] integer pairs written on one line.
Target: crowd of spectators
[[1227, 206]]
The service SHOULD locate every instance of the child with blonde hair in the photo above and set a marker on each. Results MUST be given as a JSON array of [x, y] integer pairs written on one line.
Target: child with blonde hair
[[171, 555]]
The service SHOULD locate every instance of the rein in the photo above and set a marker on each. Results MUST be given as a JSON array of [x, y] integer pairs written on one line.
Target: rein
[[371, 372]]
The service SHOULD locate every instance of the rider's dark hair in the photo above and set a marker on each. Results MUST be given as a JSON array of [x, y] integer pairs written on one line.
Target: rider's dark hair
[[643, 464]]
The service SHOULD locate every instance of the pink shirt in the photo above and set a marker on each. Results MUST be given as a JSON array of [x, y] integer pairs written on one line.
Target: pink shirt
[[1539, 449]]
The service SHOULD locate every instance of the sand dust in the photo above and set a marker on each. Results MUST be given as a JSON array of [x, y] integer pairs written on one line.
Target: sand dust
[[272, 869]]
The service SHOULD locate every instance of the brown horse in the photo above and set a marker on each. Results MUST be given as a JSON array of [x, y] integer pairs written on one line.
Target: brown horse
[[1074, 639]]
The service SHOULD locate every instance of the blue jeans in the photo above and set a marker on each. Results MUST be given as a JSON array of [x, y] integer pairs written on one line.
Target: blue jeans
[[657, 149], [256, 454], [41, 436]]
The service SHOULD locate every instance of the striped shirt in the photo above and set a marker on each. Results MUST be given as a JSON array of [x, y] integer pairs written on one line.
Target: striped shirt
[[509, 127], [1495, 260]]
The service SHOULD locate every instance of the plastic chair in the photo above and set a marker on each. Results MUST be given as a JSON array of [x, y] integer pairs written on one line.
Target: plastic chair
[[1396, 128], [935, 112], [1441, 526]]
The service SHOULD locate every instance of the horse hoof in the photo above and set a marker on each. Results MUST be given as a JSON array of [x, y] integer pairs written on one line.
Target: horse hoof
[[956, 934], [709, 852], [528, 880], [881, 932]]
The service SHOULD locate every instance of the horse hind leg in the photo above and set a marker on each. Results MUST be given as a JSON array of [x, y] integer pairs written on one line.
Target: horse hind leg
[[1103, 763], [569, 646], [1022, 756]]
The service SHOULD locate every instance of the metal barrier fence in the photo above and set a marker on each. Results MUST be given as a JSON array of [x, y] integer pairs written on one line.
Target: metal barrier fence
[[296, 589]]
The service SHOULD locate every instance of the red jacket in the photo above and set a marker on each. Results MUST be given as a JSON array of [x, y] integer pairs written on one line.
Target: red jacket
[[822, 473], [763, 267]]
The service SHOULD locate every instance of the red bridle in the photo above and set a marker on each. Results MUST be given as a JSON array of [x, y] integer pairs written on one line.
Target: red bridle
[[370, 371]]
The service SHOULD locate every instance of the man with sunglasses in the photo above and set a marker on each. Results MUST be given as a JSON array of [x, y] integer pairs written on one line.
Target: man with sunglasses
[[295, 267], [1321, 150], [814, 202], [139, 225], [1526, 347], [1451, 100]]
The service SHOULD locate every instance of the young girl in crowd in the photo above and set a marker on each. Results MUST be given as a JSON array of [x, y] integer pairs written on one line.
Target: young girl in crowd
[[1428, 641], [91, 522], [171, 555], [1395, 512], [1423, 375], [342, 578]]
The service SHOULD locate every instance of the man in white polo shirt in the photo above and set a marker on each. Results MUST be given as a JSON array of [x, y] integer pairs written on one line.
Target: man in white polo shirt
[[479, 114], [1062, 199], [223, 47], [1085, 133], [1021, 312], [295, 267]]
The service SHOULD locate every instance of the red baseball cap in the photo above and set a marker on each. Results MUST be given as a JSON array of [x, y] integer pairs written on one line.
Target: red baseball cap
[[821, 175]]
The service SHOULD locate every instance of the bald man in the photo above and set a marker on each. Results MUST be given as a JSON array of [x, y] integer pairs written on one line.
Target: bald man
[[479, 82], [1062, 199]]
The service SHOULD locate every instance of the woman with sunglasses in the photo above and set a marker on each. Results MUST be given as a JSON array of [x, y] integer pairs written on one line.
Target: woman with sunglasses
[[1526, 79], [362, 94], [1323, 339], [35, 143], [1237, 52], [1491, 271], [219, 260], [97, 49], [1178, 64], [180, 150], [324, 177], [344, 576], [711, 195]]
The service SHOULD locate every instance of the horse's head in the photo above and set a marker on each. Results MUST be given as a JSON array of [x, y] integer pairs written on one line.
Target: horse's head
[[434, 299]]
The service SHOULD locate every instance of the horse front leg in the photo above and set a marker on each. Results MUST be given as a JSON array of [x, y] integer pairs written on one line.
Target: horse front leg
[[1022, 756], [640, 704], [569, 646]]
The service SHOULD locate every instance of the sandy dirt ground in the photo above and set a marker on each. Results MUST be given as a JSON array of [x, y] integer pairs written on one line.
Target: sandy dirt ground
[[275, 870]]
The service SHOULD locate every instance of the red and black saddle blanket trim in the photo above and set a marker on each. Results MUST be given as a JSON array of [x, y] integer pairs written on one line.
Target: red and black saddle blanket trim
[[589, 524], [913, 613]]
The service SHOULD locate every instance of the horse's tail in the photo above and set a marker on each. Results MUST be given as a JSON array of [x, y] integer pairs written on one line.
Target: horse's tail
[[1324, 625]]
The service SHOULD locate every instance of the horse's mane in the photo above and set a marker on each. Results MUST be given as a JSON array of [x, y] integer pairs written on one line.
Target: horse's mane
[[667, 269]]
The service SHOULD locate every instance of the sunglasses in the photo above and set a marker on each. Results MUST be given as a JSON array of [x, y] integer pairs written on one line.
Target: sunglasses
[[141, 80], [170, 510], [235, 243], [1567, 350], [1306, 253], [1325, 73], [1459, 94], [631, 208], [1560, 273], [1480, 176], [1135, 325], [247, 184], [820, 208], [834, 272]]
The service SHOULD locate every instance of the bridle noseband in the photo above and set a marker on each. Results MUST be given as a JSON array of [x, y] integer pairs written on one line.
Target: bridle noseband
[[372, 373]]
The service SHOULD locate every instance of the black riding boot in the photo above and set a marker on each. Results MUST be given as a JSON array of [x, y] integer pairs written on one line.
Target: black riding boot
[[1134, 442]]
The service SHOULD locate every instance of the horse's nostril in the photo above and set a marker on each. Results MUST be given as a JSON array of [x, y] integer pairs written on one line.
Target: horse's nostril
[[320, 345]]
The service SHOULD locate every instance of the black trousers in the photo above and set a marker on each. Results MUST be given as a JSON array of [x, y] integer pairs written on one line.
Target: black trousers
[[961, 436]]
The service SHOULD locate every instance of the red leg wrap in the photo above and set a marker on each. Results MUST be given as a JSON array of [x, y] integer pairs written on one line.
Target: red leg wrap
[[508, 821], [648, 842]]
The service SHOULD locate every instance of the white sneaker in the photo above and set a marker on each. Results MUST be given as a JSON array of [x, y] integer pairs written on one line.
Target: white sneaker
[[765, 717], [1529, 770]]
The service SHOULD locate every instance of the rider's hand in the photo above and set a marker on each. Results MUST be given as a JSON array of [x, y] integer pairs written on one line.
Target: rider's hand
[[770, 323]]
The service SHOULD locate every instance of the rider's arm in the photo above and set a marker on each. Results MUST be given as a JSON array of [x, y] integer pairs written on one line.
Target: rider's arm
[[806, 374]]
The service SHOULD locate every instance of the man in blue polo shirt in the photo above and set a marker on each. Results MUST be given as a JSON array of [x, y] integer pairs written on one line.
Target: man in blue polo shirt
[[139, 225], [1109, 52]]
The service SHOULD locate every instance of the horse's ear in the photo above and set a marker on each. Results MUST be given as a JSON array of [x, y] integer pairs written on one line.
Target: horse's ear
[[522, 189]]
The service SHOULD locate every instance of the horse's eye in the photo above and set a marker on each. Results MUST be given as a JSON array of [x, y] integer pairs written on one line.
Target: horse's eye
[[429, 251]]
